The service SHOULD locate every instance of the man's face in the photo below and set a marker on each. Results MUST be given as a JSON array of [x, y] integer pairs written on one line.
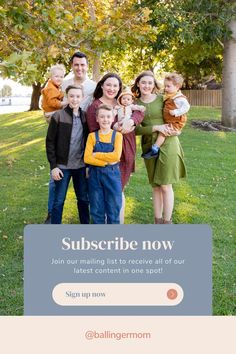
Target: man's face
[[80, 68]]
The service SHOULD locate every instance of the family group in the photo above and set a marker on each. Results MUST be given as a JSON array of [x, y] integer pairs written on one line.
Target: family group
[[91, 139]]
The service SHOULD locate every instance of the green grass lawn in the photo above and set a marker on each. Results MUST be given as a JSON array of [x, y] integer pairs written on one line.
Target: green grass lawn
[[207, 196]]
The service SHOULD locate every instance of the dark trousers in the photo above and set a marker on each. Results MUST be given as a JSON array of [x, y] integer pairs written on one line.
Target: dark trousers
[[81, 190], [51, 194]]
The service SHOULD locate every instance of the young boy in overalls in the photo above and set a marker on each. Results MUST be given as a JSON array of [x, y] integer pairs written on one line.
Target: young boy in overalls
[[102, 153]]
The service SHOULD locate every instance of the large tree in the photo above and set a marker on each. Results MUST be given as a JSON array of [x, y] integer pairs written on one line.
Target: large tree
[[27, 42], [39, 33], [229, 77], [125, 36], [203, 32]]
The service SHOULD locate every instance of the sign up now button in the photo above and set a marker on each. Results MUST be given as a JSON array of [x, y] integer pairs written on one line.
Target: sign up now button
[[117, 294]]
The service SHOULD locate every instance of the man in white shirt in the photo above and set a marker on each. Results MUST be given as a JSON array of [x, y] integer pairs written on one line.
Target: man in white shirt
[[79, 66]]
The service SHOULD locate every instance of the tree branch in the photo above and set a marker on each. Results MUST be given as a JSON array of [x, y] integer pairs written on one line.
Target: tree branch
[[219, 41]]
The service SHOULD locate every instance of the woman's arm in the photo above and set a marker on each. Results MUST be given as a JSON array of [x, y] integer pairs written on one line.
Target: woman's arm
[[136, 118], [140, 130], [165, 129]]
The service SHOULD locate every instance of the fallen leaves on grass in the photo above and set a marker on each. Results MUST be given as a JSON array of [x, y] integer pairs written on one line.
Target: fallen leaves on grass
[[10, 161]]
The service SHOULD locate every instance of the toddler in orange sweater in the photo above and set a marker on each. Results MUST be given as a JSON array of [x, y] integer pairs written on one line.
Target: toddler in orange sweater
[[51, 95], [175, 108]]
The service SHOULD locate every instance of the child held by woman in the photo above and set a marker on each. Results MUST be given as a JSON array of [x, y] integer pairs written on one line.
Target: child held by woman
[[174, 111]]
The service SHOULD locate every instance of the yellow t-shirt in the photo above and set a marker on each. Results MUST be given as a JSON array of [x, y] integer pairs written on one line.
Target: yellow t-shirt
[[103, 158]]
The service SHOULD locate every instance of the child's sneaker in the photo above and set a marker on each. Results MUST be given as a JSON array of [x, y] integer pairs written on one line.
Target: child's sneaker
[[152, 153]]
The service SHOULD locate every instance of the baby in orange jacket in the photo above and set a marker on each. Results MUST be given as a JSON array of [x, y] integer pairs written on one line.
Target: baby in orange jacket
[[52, 96]]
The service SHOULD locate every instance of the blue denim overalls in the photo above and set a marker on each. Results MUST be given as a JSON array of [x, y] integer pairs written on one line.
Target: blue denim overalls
[[105, 191]]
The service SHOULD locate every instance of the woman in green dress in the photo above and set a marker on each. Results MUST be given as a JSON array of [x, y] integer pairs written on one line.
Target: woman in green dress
[[169, 167]]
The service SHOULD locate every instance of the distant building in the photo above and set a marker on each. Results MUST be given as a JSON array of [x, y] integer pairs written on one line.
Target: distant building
[[5, 101]]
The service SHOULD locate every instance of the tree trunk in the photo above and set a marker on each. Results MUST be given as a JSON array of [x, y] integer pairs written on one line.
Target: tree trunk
[[229, 80], [96, 68], [34, 104], [97, 62]]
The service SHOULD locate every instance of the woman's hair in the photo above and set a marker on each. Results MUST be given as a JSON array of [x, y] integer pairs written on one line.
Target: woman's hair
[[98, 90], [57, 67], [135, 89]]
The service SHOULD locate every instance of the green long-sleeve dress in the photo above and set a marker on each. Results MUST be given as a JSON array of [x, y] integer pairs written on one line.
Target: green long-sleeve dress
[[169, 167]]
